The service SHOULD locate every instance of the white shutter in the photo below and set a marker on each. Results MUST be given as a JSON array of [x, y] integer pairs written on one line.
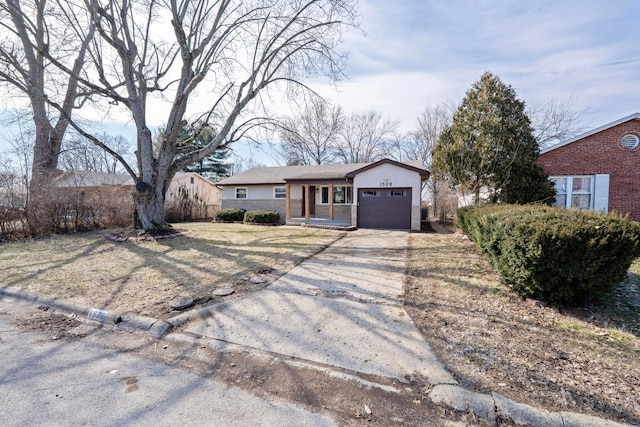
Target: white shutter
[[601, 193]]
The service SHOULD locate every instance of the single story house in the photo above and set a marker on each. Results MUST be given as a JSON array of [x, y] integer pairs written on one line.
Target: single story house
[[382, 194], [192, 196], [598, 170], [189, 196], [96, 187], [95, 196]]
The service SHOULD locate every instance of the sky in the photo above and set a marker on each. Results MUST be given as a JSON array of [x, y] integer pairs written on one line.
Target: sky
[[419, 53], [411, 54]]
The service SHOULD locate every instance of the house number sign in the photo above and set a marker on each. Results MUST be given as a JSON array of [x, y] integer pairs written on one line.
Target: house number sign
[[386, 182]]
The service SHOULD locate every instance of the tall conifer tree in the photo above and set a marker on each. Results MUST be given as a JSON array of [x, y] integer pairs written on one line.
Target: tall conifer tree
[[490, 144]]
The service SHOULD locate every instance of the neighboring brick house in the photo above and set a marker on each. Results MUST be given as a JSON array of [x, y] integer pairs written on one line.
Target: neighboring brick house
[[383, 194], [599, 169]]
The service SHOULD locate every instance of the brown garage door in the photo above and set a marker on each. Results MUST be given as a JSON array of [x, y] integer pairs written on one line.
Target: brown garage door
[[384, 208]]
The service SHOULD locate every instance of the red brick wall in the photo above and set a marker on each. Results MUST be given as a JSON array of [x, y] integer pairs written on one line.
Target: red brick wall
[[601, 153]]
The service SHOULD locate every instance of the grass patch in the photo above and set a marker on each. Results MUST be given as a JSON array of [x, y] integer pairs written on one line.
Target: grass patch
[[141, 277], [581, 359]]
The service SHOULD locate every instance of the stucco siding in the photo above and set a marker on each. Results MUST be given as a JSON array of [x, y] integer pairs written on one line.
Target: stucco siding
[[391, 176], [260, 192]]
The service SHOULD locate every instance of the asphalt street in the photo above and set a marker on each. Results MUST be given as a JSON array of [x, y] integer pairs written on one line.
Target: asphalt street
[[49, 382]]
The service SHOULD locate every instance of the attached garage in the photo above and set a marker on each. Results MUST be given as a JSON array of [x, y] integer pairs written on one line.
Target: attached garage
[[388, 195], [384, 195], [384, 208]]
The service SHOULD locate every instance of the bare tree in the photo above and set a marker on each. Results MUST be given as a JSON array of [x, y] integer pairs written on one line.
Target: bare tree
[[311, 137], [80, 154], [234, 49], [364, 137], [32, 35], [419, 144], [12, 190], [21, 140], [556, 120]]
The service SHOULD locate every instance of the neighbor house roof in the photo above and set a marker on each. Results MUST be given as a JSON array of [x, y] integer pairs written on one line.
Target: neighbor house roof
[[207, 181], [634, 116], [79, 178], [284, 174]]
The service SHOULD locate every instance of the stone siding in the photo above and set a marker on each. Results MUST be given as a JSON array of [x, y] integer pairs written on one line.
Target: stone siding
[[415, 218], [278, 205], [340, 212]]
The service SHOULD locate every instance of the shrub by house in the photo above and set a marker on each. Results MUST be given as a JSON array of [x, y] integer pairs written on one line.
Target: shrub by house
[[553, 254]]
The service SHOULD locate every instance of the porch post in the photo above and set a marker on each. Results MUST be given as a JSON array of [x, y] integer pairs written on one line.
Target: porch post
[[307, 202], [288, 202], [331, 202]]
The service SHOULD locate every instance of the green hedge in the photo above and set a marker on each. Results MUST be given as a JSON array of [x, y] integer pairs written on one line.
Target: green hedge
[[553, 254], [262, 217], [229, 215]]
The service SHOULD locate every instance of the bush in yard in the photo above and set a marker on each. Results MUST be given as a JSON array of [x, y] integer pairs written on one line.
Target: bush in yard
[[229, 215], [262, 217], [553, 254]]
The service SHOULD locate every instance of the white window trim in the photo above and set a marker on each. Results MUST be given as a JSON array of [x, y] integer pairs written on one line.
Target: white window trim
[[275, 193], [246, 193], [569, 193], [334, 192]]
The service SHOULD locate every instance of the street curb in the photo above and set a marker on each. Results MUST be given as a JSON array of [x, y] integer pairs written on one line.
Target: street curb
[[156, 328], [200, 313], [489, 407], [493, 407]]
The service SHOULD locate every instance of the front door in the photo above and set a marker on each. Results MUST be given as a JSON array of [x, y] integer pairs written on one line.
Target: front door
[[312, 200]]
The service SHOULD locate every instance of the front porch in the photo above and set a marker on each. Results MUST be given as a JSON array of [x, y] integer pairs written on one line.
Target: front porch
[[324, 223], [318, 203]]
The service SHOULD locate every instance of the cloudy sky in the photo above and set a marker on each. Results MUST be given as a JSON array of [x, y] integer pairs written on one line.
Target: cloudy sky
[[415, 53], [410, 54]]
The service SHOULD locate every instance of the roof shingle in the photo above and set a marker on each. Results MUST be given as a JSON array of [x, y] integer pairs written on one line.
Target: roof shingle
[[281, 174]]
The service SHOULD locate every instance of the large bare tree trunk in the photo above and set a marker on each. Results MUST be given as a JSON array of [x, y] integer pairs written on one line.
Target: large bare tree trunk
[[46, 151], [35, 73], [150, 207], [41, 202]]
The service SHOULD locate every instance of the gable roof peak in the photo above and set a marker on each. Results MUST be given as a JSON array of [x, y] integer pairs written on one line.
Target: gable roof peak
[[634, 116], [334, 171]]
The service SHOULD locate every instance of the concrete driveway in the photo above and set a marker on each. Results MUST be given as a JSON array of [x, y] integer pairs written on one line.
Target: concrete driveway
[[342, 307]]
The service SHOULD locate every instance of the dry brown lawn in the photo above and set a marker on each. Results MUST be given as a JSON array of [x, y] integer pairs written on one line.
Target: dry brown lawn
[[583, 359], [142, 277]]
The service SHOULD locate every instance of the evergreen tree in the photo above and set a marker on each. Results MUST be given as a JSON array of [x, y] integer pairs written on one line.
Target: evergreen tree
[[490, 144], [196, 137]]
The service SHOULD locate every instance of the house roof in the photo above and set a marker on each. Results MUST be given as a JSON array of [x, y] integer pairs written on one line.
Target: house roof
[[207, 181], [283, 174], [79, 178], [415, 165], [634, 116]]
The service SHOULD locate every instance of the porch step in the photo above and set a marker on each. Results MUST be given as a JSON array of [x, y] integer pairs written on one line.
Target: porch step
[[330, 227]]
